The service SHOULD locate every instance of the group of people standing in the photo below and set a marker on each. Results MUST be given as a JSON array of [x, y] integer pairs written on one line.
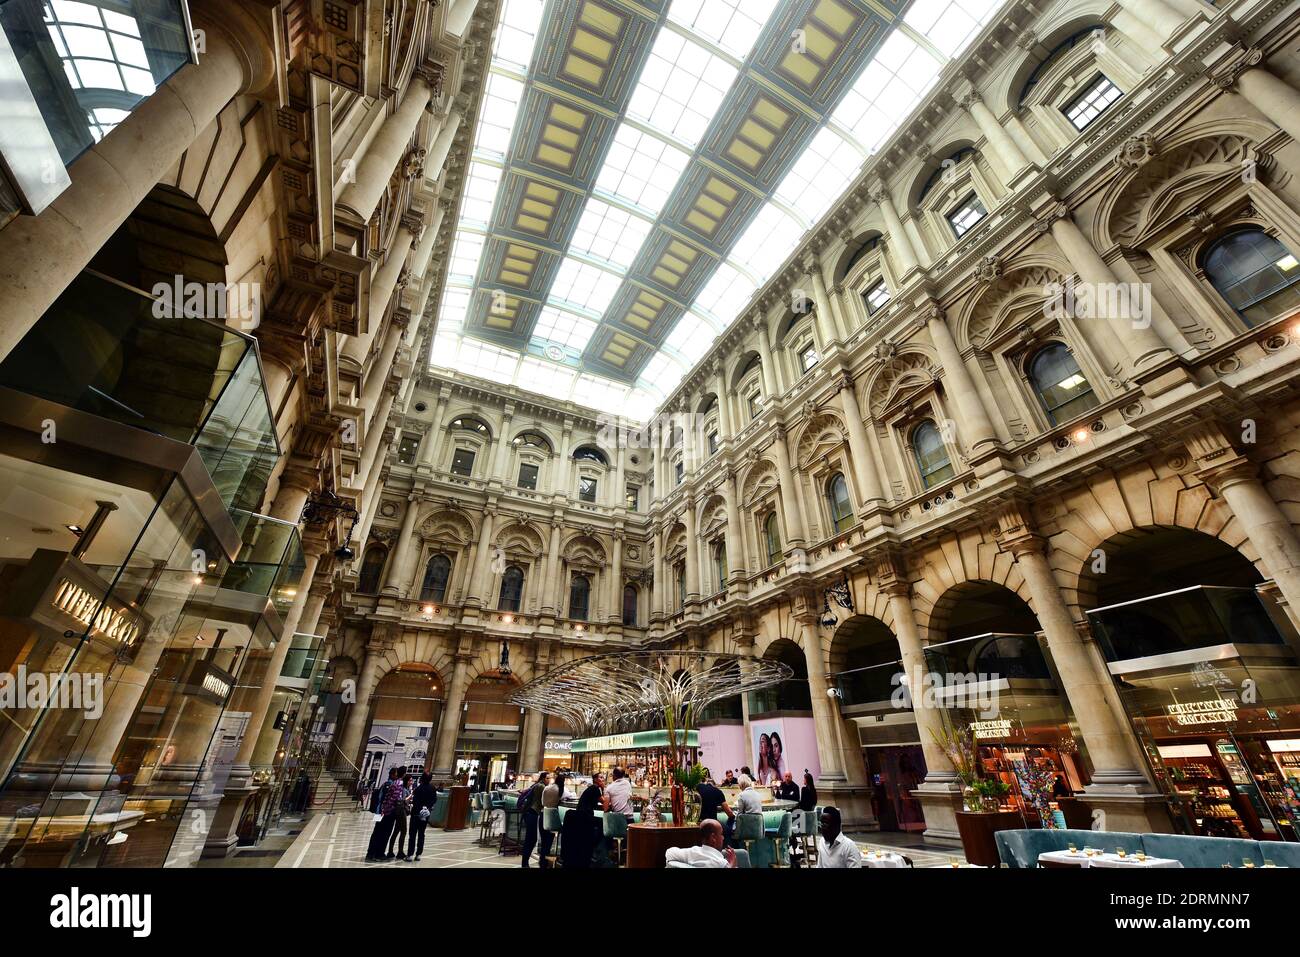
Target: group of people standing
[[401, 809]]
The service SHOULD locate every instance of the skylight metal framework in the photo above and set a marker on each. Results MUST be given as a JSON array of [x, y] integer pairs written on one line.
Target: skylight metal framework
[[643, 284], [631, 691]]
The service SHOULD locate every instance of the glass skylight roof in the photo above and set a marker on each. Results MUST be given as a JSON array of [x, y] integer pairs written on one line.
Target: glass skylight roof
[[681, 87], [609, 233], [693, 63], [733, 25], [641, 168]]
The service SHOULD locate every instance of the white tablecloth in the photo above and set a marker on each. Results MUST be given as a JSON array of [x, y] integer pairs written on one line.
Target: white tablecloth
[[1080, 859], [884, 860]]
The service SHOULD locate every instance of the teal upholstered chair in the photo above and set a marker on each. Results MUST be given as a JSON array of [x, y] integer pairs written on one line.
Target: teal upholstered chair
[[806, 834], [749, 829], [438, 813], [552, 818], [615, 827], [780, 837], [1281, 853], [742, 860], [1204, 851]]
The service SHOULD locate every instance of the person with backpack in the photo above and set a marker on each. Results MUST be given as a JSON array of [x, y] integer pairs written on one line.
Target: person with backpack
[[530, 804], [422, 802], [383, 821]]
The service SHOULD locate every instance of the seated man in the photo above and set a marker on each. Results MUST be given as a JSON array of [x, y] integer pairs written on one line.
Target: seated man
[[709, 853], [748, 801], [833, 848], [712, 800]]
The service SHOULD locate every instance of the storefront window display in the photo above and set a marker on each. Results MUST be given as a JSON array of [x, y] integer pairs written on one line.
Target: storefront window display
[[1002, 690], [1212, 689]]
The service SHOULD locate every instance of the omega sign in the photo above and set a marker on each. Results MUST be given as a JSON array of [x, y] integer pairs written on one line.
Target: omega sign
[[1212, 711]]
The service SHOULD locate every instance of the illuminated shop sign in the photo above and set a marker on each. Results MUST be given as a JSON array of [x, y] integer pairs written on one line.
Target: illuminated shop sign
[[991, 729], [61, 594], [1212, 711], [628, 742], [209, 682], [553, 745]]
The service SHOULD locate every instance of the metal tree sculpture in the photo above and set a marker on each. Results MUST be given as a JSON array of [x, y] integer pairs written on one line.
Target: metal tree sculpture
[[629, 691]]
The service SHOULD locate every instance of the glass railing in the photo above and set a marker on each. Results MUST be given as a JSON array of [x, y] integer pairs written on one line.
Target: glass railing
[[1197, 617], [868, 685], [302, 658], [102, 348], [271, 560], [89, 63], [993, 656]]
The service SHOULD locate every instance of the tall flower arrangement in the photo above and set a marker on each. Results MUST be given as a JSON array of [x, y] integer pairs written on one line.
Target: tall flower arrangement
[[1036, 785]]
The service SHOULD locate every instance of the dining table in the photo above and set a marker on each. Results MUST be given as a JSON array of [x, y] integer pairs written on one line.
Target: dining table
[[1089, 857]]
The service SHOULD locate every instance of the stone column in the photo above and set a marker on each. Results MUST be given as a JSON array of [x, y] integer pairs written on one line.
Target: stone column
[[313, 550], [1122, 341], [550, 581], [997, 137], [725, 430], [496, 460], [478, 583], [1156, 14], [354, 726], [375, 432], [444, 754], [432, 441], [825, 317], [1264, 90], [1234, 477], [41, 255], [563, 479], [866, 475], [898, 239], [737, 563], [658, 604], [692, 552], [620, 473], [265, 748], [825, 709], [442, 145], [386, 151], [770, 387], [615, 613], [422, 258], [370, 496], [530, 745], [795, 535], [976, 427], [1111, 747], [377, 374], [382, 286], [458, 16], [402, 567]]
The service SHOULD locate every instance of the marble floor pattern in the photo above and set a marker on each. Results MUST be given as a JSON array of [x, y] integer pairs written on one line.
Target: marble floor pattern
[[340, 839]]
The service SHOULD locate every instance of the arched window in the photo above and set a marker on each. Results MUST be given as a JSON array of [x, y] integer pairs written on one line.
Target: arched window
[[372, 568], [579, 597], [1256, 274], [951, 163], [630, 596], [679, 575], [512, 589], [1060, 385], [467, 423], [436, 575], [534, 440], [772, 535], [720, 563], [837, 497], [931, 455], [590, 454]]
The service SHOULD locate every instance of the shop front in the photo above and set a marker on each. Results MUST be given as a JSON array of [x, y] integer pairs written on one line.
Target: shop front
[[489, 745], [1002, 691], [645, 755], [1210, 680]]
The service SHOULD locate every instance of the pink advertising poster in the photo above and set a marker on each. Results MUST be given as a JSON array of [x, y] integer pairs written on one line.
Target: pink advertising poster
[[722, 748], [780, 745]]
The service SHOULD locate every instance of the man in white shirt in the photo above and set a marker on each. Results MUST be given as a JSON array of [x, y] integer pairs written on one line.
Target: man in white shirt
[[748, 801], [833, 848], [619, 793], [709, 853]]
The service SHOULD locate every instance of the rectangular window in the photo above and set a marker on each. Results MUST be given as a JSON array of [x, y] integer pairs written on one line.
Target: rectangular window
[[970, 212], [679, 472], [528, 476], [407, 449], [713, 442], [755, 407], [462, 462], [876, 297], [1092, 102], [633, 499], [587, 489], [808, 357]]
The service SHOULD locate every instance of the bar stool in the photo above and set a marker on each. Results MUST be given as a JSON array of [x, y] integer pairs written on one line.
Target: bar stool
[[808, 837], [615, 828], [551, 821], [749, 830], [781, 841], [486, 820]]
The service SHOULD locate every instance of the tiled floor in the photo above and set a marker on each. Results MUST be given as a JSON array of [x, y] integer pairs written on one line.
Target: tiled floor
[[340, 839]]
